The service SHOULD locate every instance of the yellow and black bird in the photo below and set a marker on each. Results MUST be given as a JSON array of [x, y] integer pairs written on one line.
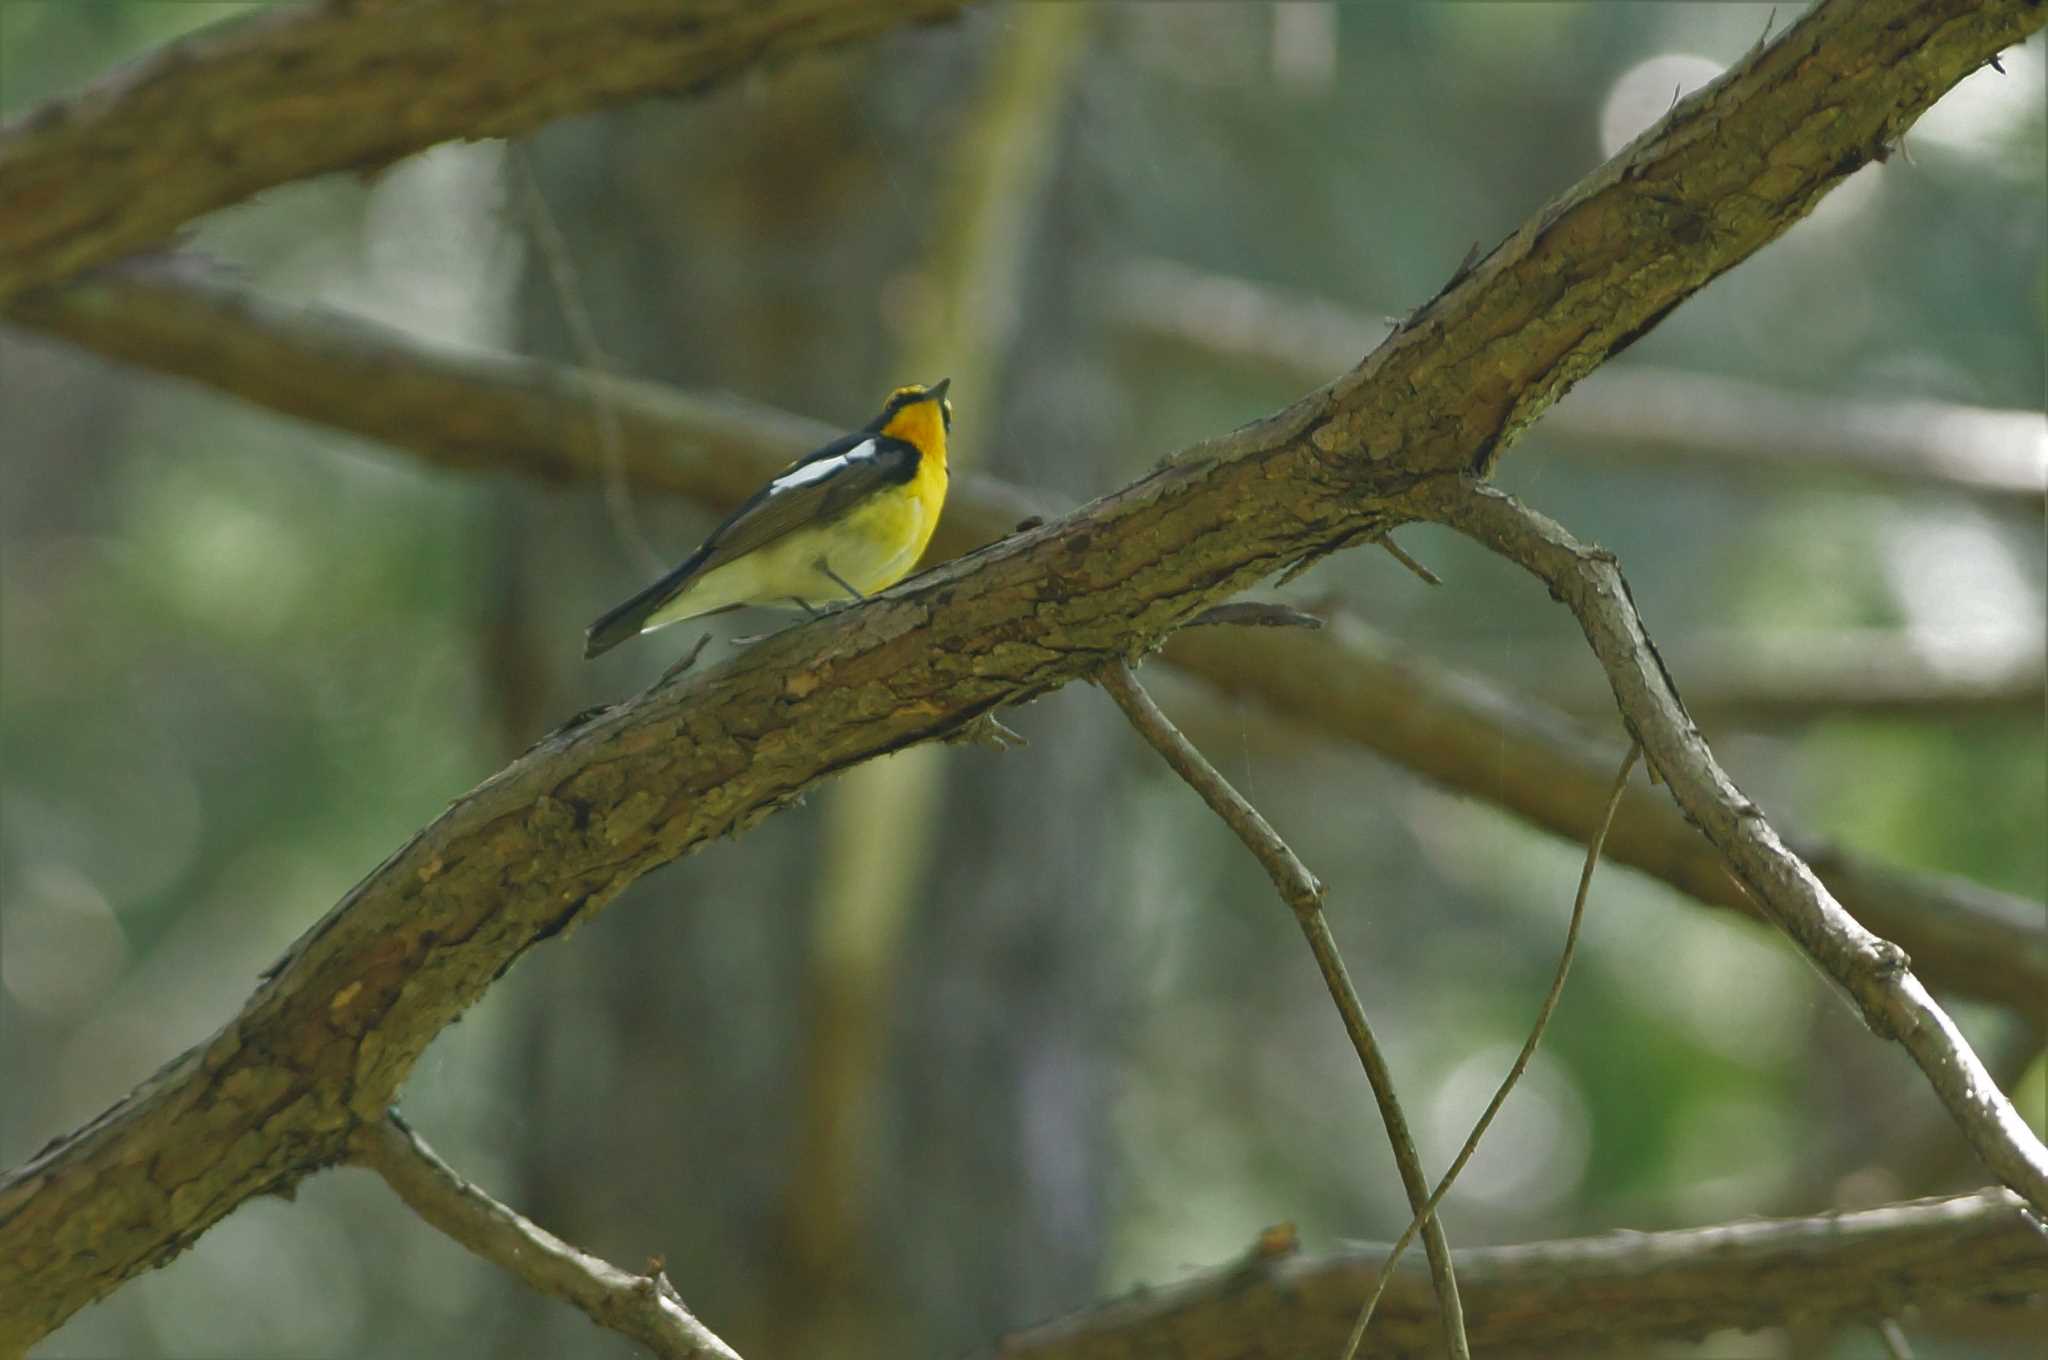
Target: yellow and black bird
[[837, 524]]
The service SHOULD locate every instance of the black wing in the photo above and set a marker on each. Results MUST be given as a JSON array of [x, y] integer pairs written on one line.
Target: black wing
[[815, 490]]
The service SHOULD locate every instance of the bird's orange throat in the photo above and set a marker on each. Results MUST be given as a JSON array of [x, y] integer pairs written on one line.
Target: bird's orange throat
[[921, 426]]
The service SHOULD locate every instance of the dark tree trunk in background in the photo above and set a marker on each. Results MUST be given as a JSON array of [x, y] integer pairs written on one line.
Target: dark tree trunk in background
[[1015, 1011], [751, 242]]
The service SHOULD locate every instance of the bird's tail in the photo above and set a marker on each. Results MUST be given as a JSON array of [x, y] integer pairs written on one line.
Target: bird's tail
[[627, 620]]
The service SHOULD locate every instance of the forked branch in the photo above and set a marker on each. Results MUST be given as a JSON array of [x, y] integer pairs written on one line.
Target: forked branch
[[1875, 973]]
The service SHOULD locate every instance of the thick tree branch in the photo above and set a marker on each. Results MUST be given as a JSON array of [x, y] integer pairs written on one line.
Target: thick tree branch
[[287, 93], [1303, 894], [1620, 1293], [324, 1044], [1875, 973], [1632, 414], [478, 412], [643, 1307]]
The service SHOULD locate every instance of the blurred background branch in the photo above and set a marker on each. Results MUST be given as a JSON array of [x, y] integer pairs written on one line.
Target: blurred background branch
[[1741, 679], [224, 113], [1973, 1254], [1628, 411], [463, 409]]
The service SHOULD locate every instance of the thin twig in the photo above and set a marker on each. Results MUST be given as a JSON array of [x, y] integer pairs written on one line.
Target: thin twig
[[1875, 973], [1304, 894], [1399, 554], [1521, 1063], [643, 1307], [561, 266]]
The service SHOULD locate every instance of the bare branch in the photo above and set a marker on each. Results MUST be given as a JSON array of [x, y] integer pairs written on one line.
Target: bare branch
[[325, 1043], [1631, 412], [1395, 551], [1619, 1293], [1875, 973], [643, 1307], [301, 90], [1303, 894]]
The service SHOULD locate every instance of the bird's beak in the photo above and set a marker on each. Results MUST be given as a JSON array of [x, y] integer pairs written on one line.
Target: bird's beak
[[937, 391]]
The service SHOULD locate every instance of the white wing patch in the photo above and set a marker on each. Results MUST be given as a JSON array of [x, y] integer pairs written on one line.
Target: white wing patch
[[823, 468]]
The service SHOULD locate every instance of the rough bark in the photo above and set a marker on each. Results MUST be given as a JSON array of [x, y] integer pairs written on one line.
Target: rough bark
[[325, 1043]]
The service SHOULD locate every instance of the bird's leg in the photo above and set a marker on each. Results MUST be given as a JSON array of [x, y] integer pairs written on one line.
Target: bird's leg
[[805, 606], [689, 660], [839, 580]]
